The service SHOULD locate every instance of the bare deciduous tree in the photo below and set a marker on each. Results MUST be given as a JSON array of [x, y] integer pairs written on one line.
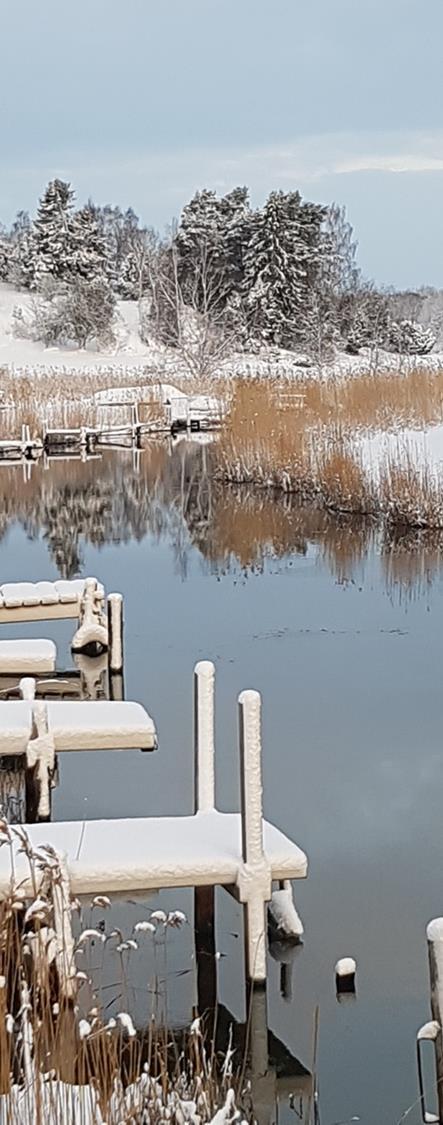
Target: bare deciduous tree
[[200, 327]]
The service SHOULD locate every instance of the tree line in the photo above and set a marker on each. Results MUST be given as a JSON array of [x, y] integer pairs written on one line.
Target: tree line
[[226, 276]]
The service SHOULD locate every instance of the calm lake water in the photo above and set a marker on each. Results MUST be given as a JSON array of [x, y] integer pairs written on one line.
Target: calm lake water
[[342, 632]]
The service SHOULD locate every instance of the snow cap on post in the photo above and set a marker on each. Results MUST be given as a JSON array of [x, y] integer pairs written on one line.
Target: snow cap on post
[[345, 971]]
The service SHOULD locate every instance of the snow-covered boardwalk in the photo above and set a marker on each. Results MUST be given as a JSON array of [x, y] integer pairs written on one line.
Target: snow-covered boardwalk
[[40, 601], [240, 851], [79, 598]]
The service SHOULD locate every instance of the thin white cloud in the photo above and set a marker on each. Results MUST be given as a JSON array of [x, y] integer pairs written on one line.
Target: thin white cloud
[[158, 183], [408, 162]]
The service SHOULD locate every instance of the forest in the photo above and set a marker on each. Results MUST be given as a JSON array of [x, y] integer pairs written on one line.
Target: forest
[[225, 277]]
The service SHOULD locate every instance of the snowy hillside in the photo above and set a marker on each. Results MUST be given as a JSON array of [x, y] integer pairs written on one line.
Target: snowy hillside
[[21, 352], [132, 356]]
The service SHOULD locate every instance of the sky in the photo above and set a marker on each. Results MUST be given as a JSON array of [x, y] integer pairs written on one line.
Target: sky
[[143, 102]]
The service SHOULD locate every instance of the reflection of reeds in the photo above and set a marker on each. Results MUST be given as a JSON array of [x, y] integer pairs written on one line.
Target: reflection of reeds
[[248, 526], [410, 558], [411, 496]]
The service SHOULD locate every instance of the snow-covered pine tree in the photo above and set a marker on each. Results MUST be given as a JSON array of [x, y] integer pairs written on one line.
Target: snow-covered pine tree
[[20, 266], [315, 321], [276, 270], [198, 250], [5, 252], [411, 338], [51, 242], [236, 221], [88, 258], [210, 245]]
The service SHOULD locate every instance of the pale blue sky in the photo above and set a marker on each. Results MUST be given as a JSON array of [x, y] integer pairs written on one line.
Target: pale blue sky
[[142, 102]]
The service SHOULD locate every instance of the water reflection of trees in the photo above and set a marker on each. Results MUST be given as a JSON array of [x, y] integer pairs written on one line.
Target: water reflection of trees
[[167, 491]]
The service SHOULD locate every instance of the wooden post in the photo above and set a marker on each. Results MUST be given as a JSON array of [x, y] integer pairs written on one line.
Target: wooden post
[[260, 1073], [204, 801], [116, 687], [26, 687], [136, 433], [115, 632], [204, 937], [254, 881], [13, 789], [40, 761], [204, 739], [434, 934]]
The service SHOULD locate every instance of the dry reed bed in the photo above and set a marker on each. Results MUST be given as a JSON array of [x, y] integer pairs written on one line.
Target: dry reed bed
[[384, 401], [62, 1059], [305, 447], [67, 399], [292, 436]]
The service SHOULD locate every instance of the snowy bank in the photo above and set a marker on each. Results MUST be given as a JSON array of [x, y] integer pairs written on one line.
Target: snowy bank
[[135, 359]]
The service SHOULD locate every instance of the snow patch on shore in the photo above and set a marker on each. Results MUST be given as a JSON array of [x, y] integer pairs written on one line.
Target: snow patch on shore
[[422, 449]]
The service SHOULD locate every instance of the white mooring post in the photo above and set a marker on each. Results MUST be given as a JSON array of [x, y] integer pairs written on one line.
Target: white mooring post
[[204, 738], [115, 632], [433, 1030], [255, 883]]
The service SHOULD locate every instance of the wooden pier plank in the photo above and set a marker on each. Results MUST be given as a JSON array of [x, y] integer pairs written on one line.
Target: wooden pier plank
[[139, 854], [79, 725]]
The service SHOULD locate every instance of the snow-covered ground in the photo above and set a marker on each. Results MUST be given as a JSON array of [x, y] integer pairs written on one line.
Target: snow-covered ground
[[16, 352], [132, 357]]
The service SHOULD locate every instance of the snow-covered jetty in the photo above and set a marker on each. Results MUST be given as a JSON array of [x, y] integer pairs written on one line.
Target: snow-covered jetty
[[240, 851], [100, 618]]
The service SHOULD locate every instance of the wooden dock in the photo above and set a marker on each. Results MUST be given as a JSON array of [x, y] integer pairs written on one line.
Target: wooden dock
[[24, 448], [174, 412], [240, 851]]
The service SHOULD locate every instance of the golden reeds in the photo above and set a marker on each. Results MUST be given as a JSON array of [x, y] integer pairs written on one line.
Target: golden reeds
[[307, 446]]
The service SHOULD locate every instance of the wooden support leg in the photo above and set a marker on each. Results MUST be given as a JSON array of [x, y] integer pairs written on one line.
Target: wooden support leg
[[204, 929], [116, 686], [13, 789], [40, 761], [255, 937], [261, 1076]]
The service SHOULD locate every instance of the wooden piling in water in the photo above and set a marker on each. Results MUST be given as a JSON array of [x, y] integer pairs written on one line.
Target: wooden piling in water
[[204, 801]]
